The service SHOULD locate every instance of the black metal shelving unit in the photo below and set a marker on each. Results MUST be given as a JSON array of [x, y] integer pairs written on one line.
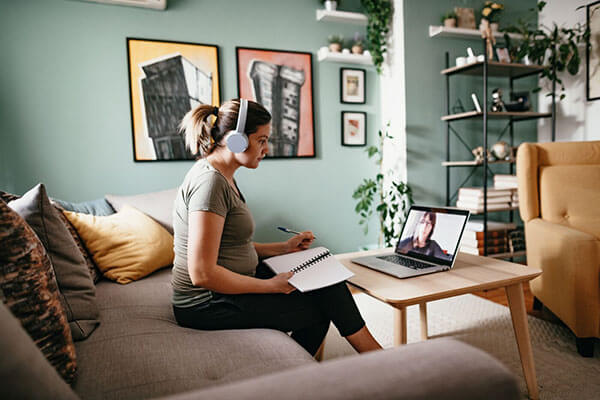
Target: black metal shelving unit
[[485, 69]]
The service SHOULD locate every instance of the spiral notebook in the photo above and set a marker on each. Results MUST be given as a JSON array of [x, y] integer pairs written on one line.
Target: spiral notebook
[[313, 268]]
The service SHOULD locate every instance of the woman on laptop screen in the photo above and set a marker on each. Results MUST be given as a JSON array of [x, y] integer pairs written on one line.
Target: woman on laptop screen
[[420, 241]]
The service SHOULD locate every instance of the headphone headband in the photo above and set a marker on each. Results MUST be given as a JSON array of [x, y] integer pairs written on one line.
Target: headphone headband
[[241, 122]]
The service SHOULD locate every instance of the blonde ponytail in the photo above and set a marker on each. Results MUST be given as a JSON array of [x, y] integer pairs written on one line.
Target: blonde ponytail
[[197, 129]]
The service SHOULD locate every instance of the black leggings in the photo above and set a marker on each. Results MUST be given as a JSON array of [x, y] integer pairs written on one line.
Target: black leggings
[[306, 315]]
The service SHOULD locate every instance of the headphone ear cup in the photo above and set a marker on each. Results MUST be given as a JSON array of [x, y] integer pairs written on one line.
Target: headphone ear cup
[[237, 142]]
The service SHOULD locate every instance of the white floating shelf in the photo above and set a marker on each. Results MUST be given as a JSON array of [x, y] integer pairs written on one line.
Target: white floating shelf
[[345, 58], [464, 33], [342, 16]]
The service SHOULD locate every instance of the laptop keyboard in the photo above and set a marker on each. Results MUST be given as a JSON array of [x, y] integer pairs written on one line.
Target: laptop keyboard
[[404, 261]]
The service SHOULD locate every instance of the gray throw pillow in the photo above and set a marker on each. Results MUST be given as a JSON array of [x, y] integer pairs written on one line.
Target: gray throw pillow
[[156, 205], [78, 293], [94, 207]]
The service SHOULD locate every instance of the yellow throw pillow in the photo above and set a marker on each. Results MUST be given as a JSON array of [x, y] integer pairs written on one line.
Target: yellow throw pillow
[[126, 246]]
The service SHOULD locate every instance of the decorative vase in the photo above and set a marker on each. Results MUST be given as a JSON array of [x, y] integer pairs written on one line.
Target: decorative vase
[[330, 5], [357, 49], [494, 26], [335, 47], [450, 23]]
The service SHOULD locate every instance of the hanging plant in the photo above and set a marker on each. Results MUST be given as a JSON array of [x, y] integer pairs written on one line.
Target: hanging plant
[[379, 14]]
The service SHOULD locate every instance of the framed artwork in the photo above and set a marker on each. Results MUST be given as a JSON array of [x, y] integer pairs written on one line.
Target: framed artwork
[[352, 86], [166, 80], [593, 52], [354, 128], [465, 17], [281, 80], [502, 54]]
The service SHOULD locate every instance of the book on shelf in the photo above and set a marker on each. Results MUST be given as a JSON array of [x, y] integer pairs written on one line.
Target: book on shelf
[[478, 191], [505, 185], [313, 268], [479, 200], [478, 242], [476, 225], [479, 250], [505, 177], [471, 235], [479, 208]]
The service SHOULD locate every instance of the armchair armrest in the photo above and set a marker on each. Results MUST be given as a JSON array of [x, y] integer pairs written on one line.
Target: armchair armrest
[[570, 264], [436, 369]]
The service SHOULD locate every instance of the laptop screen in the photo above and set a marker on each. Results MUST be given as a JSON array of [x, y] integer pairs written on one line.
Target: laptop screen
[[432, 234]]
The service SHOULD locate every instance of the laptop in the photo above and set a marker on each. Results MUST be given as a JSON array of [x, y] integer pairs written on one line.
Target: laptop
[[428, 243]]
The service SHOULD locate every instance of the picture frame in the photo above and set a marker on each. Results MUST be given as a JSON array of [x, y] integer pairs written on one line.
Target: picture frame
[[353, 86], [354, 128], [282, 81], [162, 90], [503, 54], [465, 17], [592, 52]]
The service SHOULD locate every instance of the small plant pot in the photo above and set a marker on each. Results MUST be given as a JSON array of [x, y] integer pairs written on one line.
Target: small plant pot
[[450, 23], [330, 5], [357, 49], [335, 47]]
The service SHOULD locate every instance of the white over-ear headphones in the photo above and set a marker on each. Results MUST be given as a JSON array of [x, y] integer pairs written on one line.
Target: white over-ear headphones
[[237, 141]]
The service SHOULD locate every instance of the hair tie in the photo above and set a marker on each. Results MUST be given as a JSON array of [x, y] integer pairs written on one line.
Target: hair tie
[[215, 111]]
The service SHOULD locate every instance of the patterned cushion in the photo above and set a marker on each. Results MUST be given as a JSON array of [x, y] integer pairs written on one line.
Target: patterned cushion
[[28, 288], [89, 261]]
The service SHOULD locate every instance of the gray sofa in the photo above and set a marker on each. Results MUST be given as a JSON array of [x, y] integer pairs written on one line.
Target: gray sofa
[[139, 351]]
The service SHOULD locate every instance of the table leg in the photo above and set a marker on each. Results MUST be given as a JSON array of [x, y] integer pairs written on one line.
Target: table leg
[[516, 302], [423, 313], [400, 326]]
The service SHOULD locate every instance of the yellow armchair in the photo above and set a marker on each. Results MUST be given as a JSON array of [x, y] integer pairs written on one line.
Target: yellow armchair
[[559, 196]]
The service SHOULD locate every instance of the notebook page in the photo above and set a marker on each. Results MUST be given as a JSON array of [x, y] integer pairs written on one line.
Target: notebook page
[[287, 262], [327, 272]]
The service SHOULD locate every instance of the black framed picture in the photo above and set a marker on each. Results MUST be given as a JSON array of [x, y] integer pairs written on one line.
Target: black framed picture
[[593, 52], [353, 86], [354, 128], [281, 80], [166, 80]]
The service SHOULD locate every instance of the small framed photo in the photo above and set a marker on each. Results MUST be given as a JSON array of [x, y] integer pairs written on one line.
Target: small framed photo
[[502, 54], [354, 128], [352, 86]]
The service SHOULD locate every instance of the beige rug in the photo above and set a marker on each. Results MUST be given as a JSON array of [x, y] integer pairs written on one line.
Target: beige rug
[[561, 372]]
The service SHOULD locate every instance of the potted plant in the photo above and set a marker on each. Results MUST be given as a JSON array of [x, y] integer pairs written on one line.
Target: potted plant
[[335, 43], [554, 47], [449, 19], [390, 203], [357, 44], [491, 11], [331, 5], [379, 14]]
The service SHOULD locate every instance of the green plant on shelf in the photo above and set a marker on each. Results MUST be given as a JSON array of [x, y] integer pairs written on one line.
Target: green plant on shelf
[[379, 14], [391, 205]]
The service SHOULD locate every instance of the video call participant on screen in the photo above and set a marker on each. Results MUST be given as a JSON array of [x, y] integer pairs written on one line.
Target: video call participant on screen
[[420, 241]]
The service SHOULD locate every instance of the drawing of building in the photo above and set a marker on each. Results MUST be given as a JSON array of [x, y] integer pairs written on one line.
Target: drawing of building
[[171, 87], [277, 88]]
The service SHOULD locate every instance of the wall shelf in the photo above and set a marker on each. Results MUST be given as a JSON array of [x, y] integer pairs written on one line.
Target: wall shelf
[[473, 163], [464, 33], [495, 68], [342, 16], [345, 58], [514, 115], [476, 212]]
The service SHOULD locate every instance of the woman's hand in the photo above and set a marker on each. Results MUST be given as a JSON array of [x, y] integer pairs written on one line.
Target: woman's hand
[[299, 242], [279, 283]]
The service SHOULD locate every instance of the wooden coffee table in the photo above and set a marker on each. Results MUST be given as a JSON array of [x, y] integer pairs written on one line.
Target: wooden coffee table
[[469, 274]]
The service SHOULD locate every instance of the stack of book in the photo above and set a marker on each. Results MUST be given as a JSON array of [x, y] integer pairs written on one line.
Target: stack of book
[[497, 199], [497, 238], [505, 181]]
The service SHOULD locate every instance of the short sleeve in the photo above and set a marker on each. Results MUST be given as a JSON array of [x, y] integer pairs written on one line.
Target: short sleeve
[[209, 192]]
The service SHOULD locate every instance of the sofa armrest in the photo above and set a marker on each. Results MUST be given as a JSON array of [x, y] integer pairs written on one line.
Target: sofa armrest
[[570, 283], [436, 369]]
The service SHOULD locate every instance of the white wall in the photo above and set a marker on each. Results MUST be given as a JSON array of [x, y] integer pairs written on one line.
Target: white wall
[[576, 118]]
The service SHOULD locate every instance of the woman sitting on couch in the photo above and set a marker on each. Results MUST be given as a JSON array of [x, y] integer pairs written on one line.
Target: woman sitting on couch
[[218, 282]]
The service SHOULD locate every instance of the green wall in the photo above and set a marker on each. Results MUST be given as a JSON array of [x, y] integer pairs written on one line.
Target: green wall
[[65, 119], [425, 99]]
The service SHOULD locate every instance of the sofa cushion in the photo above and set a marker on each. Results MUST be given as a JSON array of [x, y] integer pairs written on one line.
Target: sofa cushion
[[139, 351], [126, 246], [158, 205], [24, 372], [72, 274], [93, 207], [28, 288]]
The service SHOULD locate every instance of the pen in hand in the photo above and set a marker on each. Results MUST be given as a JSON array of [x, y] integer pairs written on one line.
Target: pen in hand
[[281, 228]]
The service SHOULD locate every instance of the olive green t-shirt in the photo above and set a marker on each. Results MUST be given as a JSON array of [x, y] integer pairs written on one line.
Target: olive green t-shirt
[[205, 189]]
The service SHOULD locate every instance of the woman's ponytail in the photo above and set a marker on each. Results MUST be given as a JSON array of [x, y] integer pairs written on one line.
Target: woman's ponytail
[[197, 129]]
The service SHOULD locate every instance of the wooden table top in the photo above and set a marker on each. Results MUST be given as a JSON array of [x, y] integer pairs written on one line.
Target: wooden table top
[[470, 274]]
